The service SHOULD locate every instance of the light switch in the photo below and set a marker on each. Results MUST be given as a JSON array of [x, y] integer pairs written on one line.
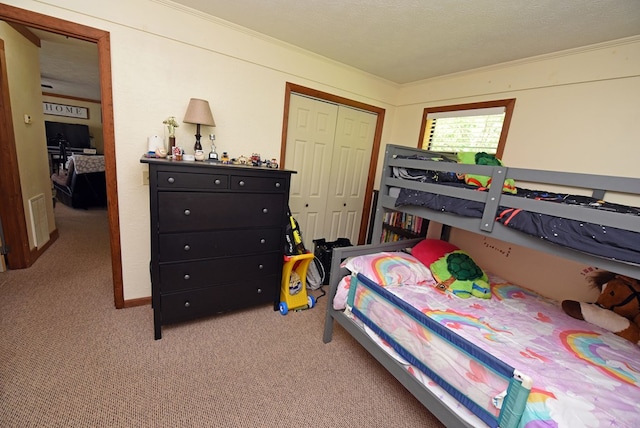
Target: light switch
[[27, 118]]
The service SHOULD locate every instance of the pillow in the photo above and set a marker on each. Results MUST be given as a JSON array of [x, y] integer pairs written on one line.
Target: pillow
[[342, 293], [483, 158], [456, 272], [387, 269], [430, 250]]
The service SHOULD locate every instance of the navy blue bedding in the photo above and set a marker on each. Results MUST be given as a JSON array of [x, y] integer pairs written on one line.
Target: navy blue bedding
[[590, 238]]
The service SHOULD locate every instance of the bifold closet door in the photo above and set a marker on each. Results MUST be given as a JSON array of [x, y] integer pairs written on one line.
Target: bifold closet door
[[329, 146], [349, 172], [310, 135]]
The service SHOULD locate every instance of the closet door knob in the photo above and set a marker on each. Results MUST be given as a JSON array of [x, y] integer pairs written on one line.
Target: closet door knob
[[187, 247], [187, 212], [187, 276], [171, 180]]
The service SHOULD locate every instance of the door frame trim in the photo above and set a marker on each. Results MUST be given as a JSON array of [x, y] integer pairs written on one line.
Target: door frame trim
[[28, 18], [373, 163]]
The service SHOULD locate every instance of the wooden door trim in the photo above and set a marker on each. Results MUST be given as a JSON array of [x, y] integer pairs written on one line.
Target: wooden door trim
[[102, 39], [303, 90], [14, 222]]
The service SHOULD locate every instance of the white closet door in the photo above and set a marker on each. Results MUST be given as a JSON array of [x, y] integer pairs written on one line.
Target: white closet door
[[350, 168], [330, 147], [310, 138]]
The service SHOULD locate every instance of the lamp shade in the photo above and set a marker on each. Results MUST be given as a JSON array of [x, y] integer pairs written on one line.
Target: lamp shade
[[199, 112]]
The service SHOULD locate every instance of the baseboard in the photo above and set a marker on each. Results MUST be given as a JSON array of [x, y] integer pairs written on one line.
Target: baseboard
[[132, 303]]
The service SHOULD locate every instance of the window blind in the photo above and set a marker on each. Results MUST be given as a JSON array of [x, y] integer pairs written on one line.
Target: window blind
[[465, 130]]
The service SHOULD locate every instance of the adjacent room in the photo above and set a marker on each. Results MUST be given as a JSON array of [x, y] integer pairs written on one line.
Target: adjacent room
[[268, 213]]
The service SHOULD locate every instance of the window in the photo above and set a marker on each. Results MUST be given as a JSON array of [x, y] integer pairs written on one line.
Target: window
[[476, 127]]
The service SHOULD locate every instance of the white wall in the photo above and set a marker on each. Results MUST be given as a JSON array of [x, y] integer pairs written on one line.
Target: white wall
[[26, 98], [575, 111], [162, 55]]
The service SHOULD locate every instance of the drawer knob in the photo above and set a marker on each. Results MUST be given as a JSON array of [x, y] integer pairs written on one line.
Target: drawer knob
[[217, 181], [171, 180], [277, 184], [187, 212], [187, 247], [264, 210], [187, 304], [241, 183], [187, 276], [260, 267], [262, 241], [259, 290]]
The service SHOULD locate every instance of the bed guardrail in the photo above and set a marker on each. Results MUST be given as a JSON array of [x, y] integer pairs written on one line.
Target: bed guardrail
[[444, 348]]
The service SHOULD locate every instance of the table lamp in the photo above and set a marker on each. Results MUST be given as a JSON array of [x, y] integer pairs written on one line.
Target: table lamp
[[199, 113]]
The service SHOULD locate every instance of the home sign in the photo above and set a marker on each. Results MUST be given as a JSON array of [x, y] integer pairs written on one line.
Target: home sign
[[65, 110]]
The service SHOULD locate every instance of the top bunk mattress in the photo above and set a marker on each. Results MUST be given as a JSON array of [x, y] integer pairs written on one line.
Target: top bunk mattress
[[586, 224], [600, 240]]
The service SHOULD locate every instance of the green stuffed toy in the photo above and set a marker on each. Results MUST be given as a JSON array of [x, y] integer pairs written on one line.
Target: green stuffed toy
[[457, 272], [483, 158]]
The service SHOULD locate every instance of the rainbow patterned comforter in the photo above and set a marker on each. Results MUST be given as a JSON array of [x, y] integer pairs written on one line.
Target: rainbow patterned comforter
[[582, 376]]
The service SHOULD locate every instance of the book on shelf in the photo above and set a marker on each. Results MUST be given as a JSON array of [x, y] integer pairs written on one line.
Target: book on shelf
[[397, 225]]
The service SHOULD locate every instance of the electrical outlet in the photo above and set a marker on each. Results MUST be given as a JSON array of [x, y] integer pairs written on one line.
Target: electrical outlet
[[145, 178]]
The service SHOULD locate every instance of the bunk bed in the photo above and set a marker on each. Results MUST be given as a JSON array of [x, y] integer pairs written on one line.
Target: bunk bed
[[528, 398]]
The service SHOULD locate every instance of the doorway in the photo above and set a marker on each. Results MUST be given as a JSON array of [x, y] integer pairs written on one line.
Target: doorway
[[333, 191], [11, 210]]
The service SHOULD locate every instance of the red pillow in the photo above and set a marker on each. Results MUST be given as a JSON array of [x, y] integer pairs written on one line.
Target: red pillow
[[430, 250]]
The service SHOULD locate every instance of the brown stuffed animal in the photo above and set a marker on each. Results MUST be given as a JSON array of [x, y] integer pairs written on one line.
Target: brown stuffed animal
[[617, 309]]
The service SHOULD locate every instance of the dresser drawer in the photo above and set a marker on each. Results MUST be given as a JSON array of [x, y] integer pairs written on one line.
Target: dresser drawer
[[216, 272], [191, 211], [185, 180], [253, 183], [208, 301], [202, 245]]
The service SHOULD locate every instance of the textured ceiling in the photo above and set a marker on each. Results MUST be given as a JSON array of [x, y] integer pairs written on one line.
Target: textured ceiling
[[409, 40], [398, 40], [68, 66]]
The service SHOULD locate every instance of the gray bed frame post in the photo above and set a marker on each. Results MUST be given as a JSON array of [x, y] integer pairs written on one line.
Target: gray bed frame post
[[376, 235], [337, 273]]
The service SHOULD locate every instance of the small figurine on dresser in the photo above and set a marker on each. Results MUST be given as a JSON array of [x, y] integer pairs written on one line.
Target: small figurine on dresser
[[213, 155], [225, 158], [255, 159]]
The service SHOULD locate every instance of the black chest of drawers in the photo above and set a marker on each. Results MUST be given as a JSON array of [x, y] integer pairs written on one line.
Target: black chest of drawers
[[217, 238]]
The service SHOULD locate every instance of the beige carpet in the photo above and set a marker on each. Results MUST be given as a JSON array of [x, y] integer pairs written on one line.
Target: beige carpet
[[69, 359]]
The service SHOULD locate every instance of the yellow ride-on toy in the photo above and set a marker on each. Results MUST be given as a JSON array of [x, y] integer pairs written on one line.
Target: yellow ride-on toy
[[293, 292]]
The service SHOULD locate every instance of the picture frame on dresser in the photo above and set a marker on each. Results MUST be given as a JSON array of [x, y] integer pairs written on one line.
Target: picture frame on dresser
[[216, 236]]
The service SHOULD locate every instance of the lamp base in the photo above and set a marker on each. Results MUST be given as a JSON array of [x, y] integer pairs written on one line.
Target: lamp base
[[197, 146]]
